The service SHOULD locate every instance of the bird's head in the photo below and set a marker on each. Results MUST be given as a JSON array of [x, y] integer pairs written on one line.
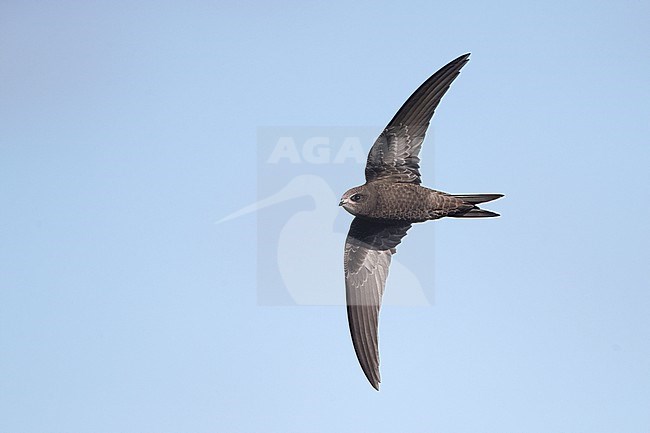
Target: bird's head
[[358, 201]]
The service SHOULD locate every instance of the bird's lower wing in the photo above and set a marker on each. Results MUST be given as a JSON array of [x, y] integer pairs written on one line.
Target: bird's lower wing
[[368, 251]]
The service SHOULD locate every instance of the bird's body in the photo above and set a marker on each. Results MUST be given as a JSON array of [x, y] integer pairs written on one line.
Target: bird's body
[[387, 204], [407, 202]]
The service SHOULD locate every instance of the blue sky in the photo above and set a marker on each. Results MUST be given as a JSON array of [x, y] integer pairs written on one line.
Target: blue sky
[[129, 129]]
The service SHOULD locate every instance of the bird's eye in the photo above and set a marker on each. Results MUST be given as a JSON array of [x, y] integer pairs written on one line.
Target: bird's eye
[[356, 197]]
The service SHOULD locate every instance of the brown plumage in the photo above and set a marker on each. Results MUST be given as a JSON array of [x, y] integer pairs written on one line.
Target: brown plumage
[[390, 201], [386, 206]]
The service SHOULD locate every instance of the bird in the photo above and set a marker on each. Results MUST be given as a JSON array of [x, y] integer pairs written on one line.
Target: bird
[[388, 204]]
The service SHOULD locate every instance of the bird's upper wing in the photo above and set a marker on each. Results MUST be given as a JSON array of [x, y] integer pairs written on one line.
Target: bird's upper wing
[[394, 156], [368, 250]]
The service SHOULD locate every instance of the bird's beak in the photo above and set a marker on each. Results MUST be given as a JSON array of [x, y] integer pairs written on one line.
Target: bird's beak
[[342, 202]]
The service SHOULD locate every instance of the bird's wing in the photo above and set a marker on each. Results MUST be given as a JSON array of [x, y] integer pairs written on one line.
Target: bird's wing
[[368, 250], [394, 156]]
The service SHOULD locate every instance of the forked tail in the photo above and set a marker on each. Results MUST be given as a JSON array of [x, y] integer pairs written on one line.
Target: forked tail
[[475, 211]]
